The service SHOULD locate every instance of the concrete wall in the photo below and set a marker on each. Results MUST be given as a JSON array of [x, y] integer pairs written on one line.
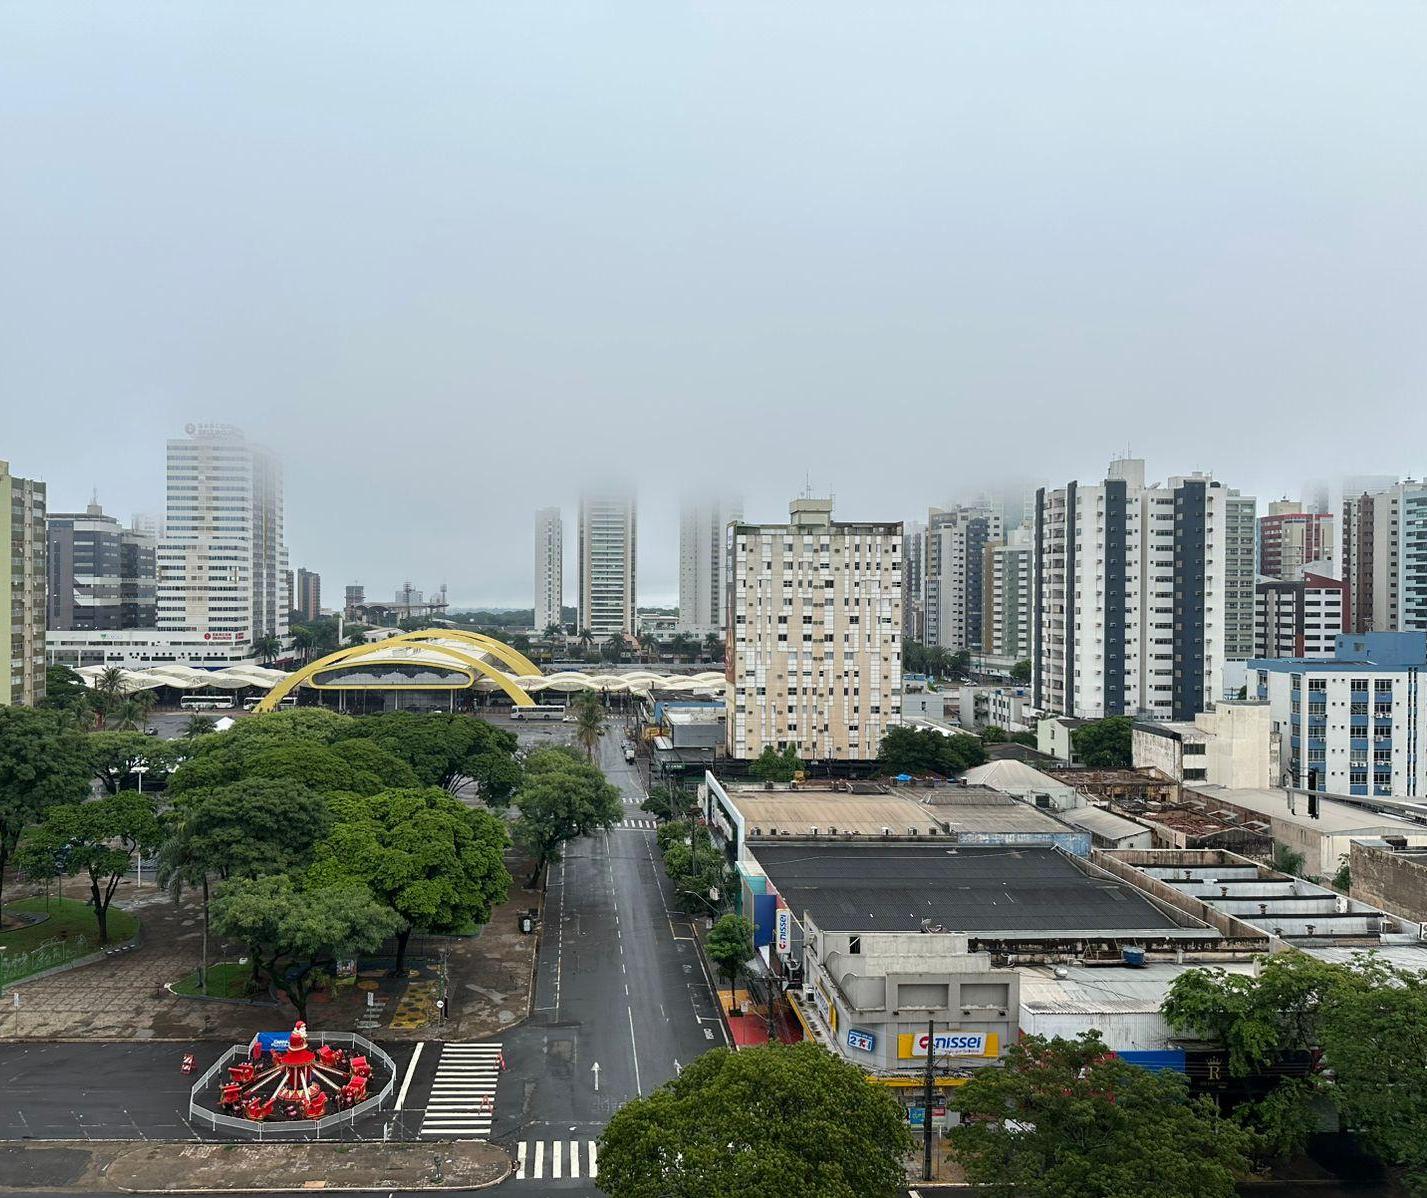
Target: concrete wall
[[1389, 880], [1242, 752], [1053, 737], [1150, 751]]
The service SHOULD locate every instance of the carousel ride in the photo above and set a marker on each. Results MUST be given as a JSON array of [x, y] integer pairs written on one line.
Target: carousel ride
[[286, 1078]]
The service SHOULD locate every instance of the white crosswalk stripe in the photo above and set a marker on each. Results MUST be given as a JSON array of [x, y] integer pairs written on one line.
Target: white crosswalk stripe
[[462, 1101], [555, 1159], [637, 823]]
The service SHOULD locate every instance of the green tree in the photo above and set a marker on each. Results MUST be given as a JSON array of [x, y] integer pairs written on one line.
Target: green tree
[[993, 734], [1088, 1125], [553, 632], [98, 839], [65, 691], [698, 870], [252, 827], [1368, 1019], [106, 693], [560, 798], [1021, 671], [1104, 744], [196, 726], [683, 646], [295, 935], [907, 750], [114, 755], [730, 945], [444, 750], [713, 646], [589, 722], [779, 1121], [1287, 860], [44, 762], [665, 802], [371, 758], [267, 648], [613, 648], [434, 861], [774, 765]]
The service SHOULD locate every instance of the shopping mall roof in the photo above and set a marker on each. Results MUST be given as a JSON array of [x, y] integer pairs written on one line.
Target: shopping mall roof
[[1024, 893]]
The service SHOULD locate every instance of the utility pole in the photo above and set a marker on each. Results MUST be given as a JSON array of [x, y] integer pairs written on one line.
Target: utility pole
[[927, 1103]]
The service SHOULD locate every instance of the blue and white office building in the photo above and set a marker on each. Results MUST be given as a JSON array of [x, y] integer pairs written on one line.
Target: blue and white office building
[[1352, 724]]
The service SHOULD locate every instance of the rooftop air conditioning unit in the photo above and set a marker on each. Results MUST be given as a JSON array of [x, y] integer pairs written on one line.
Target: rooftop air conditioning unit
[[911, 831], [813, 830], [886, 831], [832, 831]]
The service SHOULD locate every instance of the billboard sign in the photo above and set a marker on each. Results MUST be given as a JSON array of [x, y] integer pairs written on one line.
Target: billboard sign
[[865, 1041], [947, 1044], [783, 930]]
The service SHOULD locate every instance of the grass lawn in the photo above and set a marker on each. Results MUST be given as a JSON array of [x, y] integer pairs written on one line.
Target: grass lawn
[[69, 932], [226, 979]]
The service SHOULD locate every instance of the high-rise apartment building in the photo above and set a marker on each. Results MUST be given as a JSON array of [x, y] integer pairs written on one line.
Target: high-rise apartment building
[[307, 594], [221, 563], [1130, 595], [703, 563], [1384, 558], [1291, 539], [1300, 618], [22, 588], [914, 546], [101, 574], [607, 562], [956, 543], [549, 568], [354, 596], [1006, 597], [815, 656], [151, 524], [1240, 574]]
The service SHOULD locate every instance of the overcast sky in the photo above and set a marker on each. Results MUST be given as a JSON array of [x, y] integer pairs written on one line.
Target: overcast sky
[[448, 258]]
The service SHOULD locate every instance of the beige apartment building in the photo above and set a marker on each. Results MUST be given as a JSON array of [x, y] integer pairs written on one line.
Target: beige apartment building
[[815, 634], [22, 583]]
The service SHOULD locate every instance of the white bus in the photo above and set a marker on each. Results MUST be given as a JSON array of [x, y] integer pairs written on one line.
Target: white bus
[[206, 702], [539, 711]]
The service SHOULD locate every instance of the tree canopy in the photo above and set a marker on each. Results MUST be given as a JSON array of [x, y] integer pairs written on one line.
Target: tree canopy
[[1104, 744], [295, 934], [253, 827], [560, 798], [98, 838], [907, 750], [773, 765], [730, 945], [442, 750], [1368, 1020], [113, 756], [432, 860], [44, 761], [778, 1121], [1067, 1119], [1021, 671]]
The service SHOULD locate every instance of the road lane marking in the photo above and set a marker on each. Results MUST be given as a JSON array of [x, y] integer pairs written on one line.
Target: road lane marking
[[410, 1069], [520, 1161], [634, 1045]]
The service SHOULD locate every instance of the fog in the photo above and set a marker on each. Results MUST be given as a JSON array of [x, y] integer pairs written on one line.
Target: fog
[[451, 258]]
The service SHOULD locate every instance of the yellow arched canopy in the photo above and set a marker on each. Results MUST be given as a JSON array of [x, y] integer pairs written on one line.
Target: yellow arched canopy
[[516, 660], [341, 656]]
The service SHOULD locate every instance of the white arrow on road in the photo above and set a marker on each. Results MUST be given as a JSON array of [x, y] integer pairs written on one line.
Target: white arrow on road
[[595, 1069]]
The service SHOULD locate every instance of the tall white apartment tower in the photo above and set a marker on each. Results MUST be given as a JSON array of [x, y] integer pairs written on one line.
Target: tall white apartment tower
[[607, 562], [222, 562], [703, 562], [815, 643], [1130, 594], [955, 558], [549, 568]]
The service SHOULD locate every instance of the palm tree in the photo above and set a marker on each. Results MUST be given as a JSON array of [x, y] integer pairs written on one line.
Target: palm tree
[[614, 648], [266, 648], [303, 640], [143, 702], [554, 631], [587, 638], [180, 865], [127, 715], [713, 647], [197, 725], [589, 722], [649, 643], [683, 645], [108, 690]]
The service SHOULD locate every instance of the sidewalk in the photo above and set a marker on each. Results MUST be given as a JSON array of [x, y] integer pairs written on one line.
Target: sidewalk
[[176, 1168], [751, 1028]]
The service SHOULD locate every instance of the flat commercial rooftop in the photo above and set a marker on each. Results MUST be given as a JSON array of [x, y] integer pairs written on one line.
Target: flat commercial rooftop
[[932, 812], [1333, 818], [1030, 891]]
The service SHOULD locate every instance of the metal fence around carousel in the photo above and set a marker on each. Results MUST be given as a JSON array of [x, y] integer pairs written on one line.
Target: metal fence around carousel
[[279, 1128]]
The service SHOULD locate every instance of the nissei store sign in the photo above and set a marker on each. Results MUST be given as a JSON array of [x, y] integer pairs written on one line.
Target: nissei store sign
[[947, 1044], [865, 1041], [783, 930]]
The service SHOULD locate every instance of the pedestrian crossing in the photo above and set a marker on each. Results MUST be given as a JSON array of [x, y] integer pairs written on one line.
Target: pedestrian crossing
[[638, 823], [554, 1159], [462, 1102]]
